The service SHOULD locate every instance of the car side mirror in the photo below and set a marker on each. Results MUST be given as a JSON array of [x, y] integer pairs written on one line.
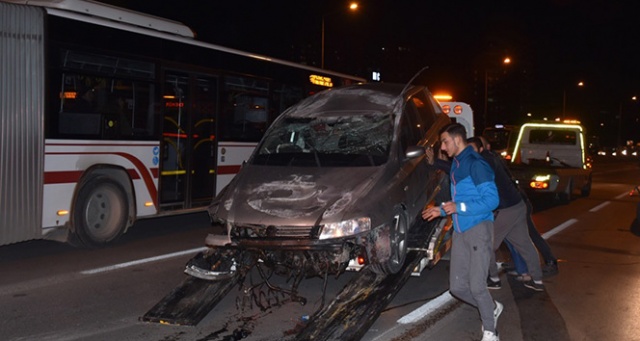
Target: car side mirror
[[414, 151]]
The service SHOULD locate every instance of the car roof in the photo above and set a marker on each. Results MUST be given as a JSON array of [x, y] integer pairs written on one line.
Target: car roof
[[380, 97]]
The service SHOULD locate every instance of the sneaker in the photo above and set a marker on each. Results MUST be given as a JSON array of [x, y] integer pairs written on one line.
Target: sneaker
[[523, 278], [537, 286], [491, 284], [490, 336], [496, 313], [550, 269]]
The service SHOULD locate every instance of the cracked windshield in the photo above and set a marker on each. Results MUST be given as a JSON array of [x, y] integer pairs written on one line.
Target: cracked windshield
[[328, 140]]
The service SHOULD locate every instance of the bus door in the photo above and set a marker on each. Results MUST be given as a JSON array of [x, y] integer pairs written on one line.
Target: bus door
[[189, 143]]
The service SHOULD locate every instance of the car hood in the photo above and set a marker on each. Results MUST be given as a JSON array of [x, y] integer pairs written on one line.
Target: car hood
[[288, 196]]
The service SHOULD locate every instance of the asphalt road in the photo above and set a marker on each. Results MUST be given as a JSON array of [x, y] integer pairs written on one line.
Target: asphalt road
[[50, 291]]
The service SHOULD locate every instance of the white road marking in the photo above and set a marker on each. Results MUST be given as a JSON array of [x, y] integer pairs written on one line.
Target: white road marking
[[623, 195], [597, 208], [427, 308], [142, 261], [559, 228]]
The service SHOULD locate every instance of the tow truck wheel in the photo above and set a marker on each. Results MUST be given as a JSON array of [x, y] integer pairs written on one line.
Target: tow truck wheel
[[100, 212], [586, 189], [565, 197], [397, 244]]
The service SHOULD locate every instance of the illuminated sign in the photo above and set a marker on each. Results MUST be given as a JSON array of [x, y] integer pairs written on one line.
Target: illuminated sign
[[443, 97], [69, 95], [321, 80]]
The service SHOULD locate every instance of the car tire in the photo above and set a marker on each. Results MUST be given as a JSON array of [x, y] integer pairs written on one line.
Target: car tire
[[565, 197], [397, 244], [586, 189], [100, 212]]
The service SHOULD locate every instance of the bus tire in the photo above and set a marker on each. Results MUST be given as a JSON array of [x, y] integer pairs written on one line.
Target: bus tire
[[100, 212]]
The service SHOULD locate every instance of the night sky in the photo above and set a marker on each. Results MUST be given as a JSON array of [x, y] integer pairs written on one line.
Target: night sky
[[553, 45]]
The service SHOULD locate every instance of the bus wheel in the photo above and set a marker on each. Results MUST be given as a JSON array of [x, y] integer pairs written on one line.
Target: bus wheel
[[100, 212]]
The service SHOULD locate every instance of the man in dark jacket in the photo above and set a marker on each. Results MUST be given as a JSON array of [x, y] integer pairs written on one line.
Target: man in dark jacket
[[474, 197], [510, 222]]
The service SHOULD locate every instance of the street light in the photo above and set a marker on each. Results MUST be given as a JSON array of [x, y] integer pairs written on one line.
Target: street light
[[564, 99], [353, 6], [633, 98], [505, 61]]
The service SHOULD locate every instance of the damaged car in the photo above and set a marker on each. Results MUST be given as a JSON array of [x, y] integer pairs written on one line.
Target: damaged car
[[340, 176]]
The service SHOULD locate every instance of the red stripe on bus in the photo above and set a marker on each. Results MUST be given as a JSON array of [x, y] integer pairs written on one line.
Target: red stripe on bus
[[224, 170], [150, 144], [142, 170], [133, 174], [69, 177], [62, 177]]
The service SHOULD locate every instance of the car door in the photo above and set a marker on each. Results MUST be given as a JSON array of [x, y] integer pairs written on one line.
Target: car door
[[415, 170]]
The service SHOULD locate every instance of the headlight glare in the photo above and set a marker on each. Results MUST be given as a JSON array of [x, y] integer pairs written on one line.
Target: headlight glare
[[345, 228]]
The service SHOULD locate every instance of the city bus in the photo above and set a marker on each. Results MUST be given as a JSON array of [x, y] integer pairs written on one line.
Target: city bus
[[110, 115]]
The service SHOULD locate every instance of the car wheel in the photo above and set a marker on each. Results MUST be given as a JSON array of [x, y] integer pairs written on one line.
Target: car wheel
[[586, 189], [565, 197], [397, 245], [100, 212]]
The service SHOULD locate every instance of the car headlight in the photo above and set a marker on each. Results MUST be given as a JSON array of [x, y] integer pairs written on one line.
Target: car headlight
[[345, 228]]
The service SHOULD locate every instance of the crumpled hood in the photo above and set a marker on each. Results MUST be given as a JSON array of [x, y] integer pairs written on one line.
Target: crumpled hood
[[300, 196]]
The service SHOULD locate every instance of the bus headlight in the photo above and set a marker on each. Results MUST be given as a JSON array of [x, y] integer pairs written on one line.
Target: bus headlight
[[345, 228]]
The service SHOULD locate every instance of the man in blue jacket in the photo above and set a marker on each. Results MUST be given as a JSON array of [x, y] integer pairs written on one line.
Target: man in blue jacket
[[474, 197]]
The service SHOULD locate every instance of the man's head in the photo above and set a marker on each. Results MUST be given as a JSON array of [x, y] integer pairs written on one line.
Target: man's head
[[453, 138], [476, 143]]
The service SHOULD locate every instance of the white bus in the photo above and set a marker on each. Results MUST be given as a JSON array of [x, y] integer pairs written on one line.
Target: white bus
[[110, 115]]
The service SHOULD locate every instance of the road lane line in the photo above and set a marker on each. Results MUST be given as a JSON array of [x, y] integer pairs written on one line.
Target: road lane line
[[623, 195], [142, 261], [597, 208], [559, 228], [427, 308]]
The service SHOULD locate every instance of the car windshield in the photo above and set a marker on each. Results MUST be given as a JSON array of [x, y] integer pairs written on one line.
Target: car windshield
[[335, 139]]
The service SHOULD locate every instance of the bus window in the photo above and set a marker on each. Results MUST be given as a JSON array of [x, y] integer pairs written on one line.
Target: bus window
[[245, 109], [283, 96], [95, 106]]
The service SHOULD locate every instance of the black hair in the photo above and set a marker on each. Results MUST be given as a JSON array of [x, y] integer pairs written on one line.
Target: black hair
[[476, 141], [455, 129]]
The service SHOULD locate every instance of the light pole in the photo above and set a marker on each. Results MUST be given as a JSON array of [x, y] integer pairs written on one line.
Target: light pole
[[564, 99], [634, 98], [505, 61], [353, 6]]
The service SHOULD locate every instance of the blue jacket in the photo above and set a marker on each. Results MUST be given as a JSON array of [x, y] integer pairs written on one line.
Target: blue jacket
[[472, 189]]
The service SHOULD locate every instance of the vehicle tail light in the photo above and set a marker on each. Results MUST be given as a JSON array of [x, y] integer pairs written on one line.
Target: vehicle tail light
[[539, 184]]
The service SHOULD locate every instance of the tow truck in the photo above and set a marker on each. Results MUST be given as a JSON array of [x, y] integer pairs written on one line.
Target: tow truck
[[550, 159]]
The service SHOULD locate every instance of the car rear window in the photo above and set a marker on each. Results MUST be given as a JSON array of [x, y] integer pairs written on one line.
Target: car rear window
[[553, 136]]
